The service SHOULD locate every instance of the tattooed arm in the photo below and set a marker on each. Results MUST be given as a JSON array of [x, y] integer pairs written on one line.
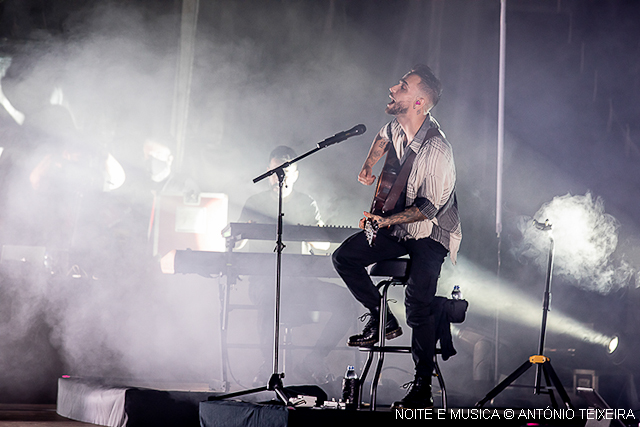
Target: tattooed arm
[[377, 150], [411, 214]]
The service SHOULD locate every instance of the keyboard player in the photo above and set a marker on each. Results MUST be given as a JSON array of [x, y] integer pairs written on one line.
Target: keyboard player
[[302, 298], [298, 208]]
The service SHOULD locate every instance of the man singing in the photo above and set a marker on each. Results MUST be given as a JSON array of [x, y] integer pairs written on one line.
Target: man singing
[[425, 225]]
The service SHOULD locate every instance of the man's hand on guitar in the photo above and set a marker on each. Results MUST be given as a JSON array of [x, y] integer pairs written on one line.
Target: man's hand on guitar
[[376, 219], [362, 223], [365, 177], [371, 224]]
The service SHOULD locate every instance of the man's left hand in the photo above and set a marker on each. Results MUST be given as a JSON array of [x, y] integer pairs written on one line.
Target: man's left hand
[[377, 218]]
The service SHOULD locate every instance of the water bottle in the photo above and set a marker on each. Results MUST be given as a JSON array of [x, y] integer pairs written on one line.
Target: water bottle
[[350, 388], [456, 293]]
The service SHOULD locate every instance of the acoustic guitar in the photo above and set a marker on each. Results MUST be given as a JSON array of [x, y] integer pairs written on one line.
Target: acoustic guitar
[[387, 178]]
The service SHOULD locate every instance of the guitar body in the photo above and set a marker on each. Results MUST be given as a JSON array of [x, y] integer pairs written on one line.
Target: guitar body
[[385, 182], [383, 187]]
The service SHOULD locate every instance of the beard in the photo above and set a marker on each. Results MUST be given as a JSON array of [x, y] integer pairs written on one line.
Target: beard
[[395, 109]]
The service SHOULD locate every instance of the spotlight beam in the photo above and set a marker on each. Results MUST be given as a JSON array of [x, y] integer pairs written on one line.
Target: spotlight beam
[[482, 290]]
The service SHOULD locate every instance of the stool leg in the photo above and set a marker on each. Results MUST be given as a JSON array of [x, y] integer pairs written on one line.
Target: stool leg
[[382, 326], [376, 377], [443, 388], [383, 315], [363, 377]]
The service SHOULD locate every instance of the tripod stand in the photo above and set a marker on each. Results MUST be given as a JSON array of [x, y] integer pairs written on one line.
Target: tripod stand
[[275, 382], [541, 362]]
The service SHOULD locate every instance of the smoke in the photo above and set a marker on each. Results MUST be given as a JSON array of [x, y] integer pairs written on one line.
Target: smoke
[[114, 76], [585, 239]]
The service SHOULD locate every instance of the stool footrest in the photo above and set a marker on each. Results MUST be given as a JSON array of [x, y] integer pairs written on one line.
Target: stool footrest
[[391, 349], [386, 349]]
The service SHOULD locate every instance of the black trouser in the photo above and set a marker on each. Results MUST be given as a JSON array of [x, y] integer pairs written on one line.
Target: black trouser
[[354, 255]]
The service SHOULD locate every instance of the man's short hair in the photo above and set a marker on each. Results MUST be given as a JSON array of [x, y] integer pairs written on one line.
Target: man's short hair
[[429, 83], [283, 153]]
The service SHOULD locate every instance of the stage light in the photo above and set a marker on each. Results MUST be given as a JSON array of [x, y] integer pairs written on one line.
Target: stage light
[[622, 350], [619, 351]]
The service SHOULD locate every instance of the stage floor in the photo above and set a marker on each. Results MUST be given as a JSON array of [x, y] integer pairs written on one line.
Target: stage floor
[[96, 402], [32, 415]]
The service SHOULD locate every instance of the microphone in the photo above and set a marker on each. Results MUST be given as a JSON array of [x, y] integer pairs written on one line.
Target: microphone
[[341, 136]]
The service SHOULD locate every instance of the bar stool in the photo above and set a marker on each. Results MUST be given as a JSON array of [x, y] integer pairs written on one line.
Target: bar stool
[[397, 272]]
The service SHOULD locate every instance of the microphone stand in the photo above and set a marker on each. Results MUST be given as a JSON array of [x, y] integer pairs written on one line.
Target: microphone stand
[[275, 383]]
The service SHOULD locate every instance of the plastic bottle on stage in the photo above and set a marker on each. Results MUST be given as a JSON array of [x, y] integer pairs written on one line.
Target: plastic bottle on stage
[[350, 388], [456, 293]]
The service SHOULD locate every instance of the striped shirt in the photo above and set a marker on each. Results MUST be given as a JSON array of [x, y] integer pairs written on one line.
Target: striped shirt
[[430, 186]]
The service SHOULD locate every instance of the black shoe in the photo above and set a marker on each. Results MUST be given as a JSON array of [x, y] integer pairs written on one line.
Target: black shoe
[[419, 395], [369, 335]]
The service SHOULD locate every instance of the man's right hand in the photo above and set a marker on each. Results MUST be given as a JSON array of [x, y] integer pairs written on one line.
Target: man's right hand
[[365, 177]]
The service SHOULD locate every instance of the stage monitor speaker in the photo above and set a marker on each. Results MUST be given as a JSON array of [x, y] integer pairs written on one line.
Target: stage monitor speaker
[[585, 378], [189, 221]]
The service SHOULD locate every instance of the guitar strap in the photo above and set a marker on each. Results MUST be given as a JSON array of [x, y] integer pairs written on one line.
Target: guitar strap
[[401, 181]]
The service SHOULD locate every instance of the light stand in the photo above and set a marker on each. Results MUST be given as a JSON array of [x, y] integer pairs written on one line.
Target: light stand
[[542, 363], [275, 381]]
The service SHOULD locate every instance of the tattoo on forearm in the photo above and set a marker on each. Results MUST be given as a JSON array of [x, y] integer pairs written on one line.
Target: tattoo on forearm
[[412, 214], [378, 148]]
